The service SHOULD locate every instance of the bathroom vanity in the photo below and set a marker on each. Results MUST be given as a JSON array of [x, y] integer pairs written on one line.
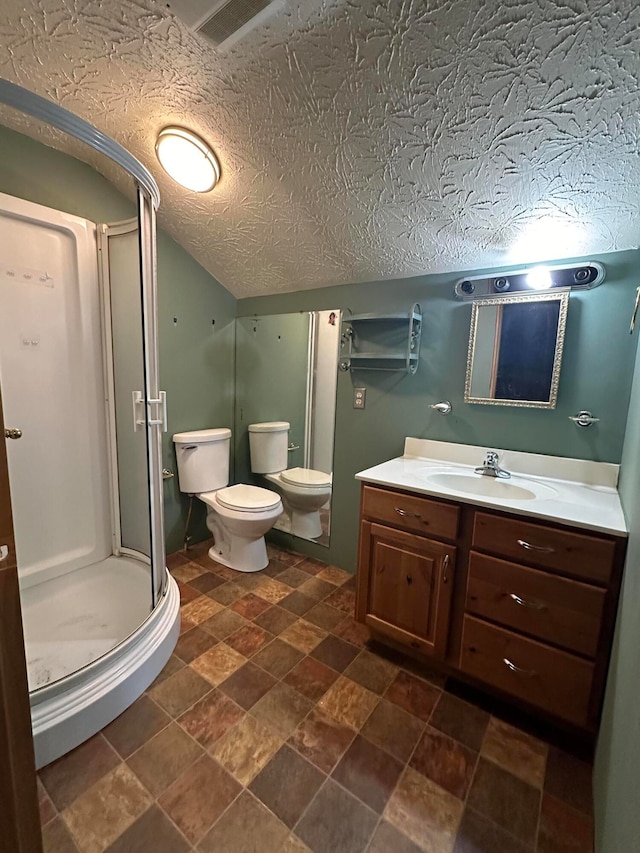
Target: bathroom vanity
[[512, 585]]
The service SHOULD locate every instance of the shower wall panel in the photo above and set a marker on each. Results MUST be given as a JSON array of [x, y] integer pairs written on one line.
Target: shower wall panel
[[51, 369]]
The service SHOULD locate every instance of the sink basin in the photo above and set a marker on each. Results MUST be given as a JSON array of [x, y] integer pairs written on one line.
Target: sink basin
[[514, 489]]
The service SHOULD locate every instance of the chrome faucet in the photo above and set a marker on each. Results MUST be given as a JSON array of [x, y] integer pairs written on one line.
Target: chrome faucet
[[490, 467]]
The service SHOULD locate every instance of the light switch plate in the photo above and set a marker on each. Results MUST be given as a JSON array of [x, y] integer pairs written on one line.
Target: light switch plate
[[359, 398]]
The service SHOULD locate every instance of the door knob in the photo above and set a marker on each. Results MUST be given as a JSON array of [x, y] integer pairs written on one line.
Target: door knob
[[13, 433]]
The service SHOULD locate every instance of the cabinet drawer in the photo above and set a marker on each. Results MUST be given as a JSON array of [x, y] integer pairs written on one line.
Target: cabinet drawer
[[417, 514], [560, 611], [556, 681], [578, 554]]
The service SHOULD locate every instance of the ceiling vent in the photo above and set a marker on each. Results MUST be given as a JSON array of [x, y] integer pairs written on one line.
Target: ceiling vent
[[226, 21]]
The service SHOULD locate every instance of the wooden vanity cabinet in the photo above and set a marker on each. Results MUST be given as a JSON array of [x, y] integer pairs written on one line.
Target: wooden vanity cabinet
[[526, 608]]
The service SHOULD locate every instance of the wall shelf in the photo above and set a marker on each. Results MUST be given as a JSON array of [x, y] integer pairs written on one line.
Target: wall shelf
[[384, 342]]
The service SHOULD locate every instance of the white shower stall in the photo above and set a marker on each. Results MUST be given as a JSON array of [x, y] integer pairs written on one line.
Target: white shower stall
[[78, 373]]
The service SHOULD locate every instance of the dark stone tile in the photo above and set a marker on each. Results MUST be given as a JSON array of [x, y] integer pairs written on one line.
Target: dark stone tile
[[46, 808], [193, 644], [206, 582], [247, 685], [293, 577], [250, 606], [351, 631], [393, 729], [246, 827], [287, 785], [170, 668], [316, 588], [342, 599], [322, 740], [569, 779], [187, 593], [176, 559], [275, 620], [414, 695], [387, 839], [136, 726], [277, 658], [311, 678], [460, 720], [284, 556], [180, 691], [152, 831], [227, 594], [324, 616], [506, 800], [208, 720], [69, 776], [249, 639], [563, 829], [372, 672], [445, 761], [162, 759], [297, 602], [282, 708], [369, 773], [56, 838], [311, 566], [199, 796], [336, 822], [335, 653], [477, 834], [222, 624]]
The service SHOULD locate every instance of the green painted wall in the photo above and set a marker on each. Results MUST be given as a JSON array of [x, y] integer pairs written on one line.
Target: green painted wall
[[596, 375], [617, 765], [196, 354]]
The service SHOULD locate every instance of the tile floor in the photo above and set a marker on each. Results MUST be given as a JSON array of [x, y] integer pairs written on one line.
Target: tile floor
[[276, 728]]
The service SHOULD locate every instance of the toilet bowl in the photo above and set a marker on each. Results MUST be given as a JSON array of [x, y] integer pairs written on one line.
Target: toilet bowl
[[238, 516], [304, 492]]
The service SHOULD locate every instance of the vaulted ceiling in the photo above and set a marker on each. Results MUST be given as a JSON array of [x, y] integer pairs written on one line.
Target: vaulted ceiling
[[361, 140]]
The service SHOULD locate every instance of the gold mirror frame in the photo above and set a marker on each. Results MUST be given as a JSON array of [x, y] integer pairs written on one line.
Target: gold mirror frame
[[563, 299]]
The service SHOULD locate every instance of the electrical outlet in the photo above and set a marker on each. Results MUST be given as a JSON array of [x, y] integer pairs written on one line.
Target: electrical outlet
[[359, 398]]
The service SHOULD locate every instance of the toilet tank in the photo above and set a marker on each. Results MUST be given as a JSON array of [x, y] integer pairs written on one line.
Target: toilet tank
[[268, 444], [203, 459]]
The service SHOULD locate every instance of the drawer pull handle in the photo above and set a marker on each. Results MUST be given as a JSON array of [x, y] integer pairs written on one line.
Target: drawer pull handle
[[528, 546], [404, 512], [445, 567], [522, 602], [528, 672]]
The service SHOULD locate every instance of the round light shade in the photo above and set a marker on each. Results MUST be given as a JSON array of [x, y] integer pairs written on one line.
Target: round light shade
[[188, 159]]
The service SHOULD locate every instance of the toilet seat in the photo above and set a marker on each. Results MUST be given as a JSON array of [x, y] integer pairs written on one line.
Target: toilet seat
[[243, 498], [305, 477]]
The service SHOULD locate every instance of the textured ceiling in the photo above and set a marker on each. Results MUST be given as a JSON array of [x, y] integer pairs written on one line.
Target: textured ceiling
[[362, 140]]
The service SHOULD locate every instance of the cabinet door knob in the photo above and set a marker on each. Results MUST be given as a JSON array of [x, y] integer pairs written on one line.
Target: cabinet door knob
[[409, 580], [511, 665], [13, 433], [404, 512], [522, 602], [445, 569]]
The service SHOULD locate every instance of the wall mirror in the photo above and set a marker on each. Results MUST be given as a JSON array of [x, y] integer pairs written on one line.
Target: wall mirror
[[515, 350], [286, 370]]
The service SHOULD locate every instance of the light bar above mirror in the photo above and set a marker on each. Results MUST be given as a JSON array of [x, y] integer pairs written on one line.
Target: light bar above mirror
[[538, 279]]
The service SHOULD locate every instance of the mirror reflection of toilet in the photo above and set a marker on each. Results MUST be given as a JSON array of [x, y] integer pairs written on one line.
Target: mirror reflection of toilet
[[238, 516], [304, 491]]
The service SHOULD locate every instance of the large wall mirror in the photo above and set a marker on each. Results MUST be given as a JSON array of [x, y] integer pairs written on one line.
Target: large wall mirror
[[515, 350], [286, 371]]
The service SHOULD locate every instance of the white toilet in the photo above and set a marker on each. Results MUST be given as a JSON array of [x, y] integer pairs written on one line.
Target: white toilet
[[238, 516], [304, 491]]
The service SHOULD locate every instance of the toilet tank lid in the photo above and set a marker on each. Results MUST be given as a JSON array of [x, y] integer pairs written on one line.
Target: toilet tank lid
[[202, 436], [270, 426]]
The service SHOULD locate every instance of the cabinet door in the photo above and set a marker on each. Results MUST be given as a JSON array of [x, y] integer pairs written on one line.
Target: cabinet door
[[405, 587]]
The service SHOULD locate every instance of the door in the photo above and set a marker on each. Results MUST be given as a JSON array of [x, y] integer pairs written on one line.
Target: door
[[19, 818], [410, 585]]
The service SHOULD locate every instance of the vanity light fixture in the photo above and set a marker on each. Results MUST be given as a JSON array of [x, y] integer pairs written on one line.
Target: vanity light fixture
[[584, 276], [187, 159]]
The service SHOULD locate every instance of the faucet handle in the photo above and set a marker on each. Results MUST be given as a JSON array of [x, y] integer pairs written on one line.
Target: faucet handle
[[492, 457]]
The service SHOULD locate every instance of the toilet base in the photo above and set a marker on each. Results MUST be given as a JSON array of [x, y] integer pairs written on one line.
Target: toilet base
[[243, 555], [305, 524]]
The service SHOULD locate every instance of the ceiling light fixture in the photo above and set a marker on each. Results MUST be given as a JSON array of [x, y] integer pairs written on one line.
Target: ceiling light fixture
[[187, 159]]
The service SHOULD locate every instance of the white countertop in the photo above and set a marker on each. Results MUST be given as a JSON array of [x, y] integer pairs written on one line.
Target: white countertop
[[576, 492]]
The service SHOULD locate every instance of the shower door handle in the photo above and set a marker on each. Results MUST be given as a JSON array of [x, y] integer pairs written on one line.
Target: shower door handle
[[13, 433]]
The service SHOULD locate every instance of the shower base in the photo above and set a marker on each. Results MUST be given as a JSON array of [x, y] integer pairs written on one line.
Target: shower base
[[93, 647]]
